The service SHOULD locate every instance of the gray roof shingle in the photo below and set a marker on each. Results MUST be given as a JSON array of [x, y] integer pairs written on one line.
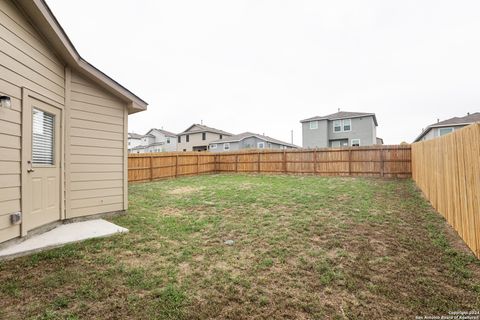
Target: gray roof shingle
[[244, 135], [204, 128], [455, 121], [165, 132], [134, 135], [342, 115]]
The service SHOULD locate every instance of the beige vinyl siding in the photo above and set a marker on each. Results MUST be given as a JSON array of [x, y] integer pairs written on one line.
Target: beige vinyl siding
[[25, 61], [96, 150]]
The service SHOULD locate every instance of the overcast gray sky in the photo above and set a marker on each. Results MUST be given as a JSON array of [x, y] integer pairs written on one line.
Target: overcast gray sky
[[263, 65]]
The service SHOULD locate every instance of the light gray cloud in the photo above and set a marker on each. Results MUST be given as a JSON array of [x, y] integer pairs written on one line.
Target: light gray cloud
[[263, 65]]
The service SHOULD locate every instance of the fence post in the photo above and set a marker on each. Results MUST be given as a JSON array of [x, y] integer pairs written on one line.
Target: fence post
[[151, 169], [236, 163], [285, 161], [176, 165], [315, 161], [349, 162], [258, 162], [198, 166], [382, 163]]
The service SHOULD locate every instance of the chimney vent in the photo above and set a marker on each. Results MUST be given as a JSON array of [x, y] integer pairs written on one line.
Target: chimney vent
[[438, 120]]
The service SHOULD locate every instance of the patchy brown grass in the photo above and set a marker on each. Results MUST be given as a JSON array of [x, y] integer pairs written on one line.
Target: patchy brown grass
[[183, 190], [304, 248]]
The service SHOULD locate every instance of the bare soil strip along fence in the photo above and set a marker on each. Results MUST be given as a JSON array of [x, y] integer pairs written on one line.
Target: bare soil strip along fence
[[381, 161], [447, 169]]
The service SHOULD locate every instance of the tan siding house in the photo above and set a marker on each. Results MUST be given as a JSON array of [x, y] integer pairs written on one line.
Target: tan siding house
[[197, 137], [63, 126]]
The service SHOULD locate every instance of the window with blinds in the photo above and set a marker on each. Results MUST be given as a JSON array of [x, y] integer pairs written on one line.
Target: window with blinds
[[43, 137]]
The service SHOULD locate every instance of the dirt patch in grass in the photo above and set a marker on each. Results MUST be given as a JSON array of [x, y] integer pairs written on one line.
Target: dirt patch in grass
[[184, 190], [304, 248]]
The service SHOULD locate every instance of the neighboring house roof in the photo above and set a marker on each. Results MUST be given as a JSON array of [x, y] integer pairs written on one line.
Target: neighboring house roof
[[245, 135], [342, 115], [132, 135], [154, 144], [165, 132], [203, 128], [452, 122], [39, 12]]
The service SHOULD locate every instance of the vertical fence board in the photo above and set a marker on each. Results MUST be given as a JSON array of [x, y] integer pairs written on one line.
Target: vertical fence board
[[447, 170], [389, 161]]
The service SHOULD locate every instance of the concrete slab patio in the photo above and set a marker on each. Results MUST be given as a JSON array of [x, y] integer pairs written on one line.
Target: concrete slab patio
[[61, 235]]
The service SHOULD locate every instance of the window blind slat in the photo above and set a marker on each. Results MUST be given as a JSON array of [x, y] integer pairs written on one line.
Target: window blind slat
[[43, 137]]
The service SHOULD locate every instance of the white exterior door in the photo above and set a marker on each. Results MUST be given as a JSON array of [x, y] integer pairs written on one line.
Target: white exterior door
[[42, 155]]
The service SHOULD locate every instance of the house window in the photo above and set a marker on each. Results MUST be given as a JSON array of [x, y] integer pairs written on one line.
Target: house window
[[179, 139], [444, 131], [261, 145], [338, 143], [168, 140], [226, 146], [221, 136], [188, 138], [313, 125], [342, 125], [337, 126], [43, 140], [213, 146], [355, 142], [204, 135]]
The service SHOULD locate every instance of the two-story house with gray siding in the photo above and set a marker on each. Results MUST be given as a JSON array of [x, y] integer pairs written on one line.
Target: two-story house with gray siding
[[248, 140], [197, 137], [445, 127], [340, 129], [155, 140]]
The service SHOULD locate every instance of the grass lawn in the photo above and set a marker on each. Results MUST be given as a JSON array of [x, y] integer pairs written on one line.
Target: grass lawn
[[304, 248]]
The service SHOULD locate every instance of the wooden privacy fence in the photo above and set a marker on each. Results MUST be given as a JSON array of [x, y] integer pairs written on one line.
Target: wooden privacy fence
[[380, 161], [447, 169]]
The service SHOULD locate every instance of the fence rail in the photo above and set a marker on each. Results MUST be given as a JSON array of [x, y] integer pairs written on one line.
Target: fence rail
[[447, 170], [381, 161]]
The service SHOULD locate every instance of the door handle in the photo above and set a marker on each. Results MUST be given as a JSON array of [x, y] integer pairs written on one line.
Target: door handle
[[30, 170]]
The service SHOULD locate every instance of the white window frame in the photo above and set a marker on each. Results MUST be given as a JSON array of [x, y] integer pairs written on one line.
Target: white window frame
[[352, 140], [226, 146], [440, 129], [262, 144], [334, 144], [341, 125], [313, 125], [335, 126], [168, 140], [213, 146]]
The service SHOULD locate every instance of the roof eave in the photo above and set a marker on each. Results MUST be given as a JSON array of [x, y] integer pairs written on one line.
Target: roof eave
[[433, 126], [256, 136], [44, 19], [340, 118]]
